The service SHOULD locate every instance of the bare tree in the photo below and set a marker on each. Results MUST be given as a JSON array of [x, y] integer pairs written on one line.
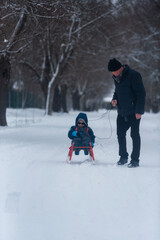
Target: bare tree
[[62, 45], [5, 53]]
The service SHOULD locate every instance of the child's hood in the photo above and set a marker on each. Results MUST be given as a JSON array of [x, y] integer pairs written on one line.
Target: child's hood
[[82, 116]]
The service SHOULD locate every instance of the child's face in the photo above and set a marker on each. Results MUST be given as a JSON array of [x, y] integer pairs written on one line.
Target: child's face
[[81, 123]]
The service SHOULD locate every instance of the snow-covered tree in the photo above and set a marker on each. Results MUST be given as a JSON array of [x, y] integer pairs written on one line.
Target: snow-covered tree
[[12, 25]]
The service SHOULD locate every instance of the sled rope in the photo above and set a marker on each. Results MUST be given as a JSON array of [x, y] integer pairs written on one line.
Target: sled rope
[[109, 120]]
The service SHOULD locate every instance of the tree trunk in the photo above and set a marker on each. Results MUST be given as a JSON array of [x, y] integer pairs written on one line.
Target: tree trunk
[[57, 100], [51, 88], [76, 101], [4, 82], [63, 97], [50, 101]]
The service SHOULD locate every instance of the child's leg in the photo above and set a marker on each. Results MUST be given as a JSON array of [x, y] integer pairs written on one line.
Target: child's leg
[[77, 143], [85, 142]]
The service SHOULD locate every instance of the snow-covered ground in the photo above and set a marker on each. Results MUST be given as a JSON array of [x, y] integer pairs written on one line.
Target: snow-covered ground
[[44, 198]]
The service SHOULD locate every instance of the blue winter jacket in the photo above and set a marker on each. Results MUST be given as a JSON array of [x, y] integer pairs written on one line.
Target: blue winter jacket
[[82, 130]]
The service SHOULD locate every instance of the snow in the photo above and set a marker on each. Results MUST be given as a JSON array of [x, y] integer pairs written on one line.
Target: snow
[[43, 197]]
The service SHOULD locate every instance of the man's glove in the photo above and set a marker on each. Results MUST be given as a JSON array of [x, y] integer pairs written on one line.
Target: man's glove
[[92, 143], [74, 133]]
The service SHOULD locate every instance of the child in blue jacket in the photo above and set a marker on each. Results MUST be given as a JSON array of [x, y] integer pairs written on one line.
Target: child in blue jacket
[[81, 134]]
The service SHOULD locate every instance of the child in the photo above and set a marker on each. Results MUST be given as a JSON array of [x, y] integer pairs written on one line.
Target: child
[[81, 134]]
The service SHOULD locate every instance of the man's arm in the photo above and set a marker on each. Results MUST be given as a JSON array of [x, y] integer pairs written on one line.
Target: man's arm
[[139, 91], [114, 99]]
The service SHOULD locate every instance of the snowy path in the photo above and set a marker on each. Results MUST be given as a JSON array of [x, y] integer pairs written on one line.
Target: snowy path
[[44, 198]]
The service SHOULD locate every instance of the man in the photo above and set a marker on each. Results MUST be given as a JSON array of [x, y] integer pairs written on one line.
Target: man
[[129, 97]]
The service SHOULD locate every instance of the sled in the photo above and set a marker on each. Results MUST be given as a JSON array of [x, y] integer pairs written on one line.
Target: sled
[[73, 147]]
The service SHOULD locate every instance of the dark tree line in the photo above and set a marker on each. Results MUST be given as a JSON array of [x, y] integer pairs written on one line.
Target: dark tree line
[[59, 50]]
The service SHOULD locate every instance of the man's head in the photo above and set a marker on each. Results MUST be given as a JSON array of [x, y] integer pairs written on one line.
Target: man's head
[[115, 67]]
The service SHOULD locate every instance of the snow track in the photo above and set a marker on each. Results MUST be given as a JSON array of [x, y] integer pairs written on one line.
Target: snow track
[[43, 197]]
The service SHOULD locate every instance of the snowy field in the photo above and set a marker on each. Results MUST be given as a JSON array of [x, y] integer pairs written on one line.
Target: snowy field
[[44, 198]]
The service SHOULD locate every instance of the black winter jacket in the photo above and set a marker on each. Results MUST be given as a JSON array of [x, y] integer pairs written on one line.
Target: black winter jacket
[[129, 92]]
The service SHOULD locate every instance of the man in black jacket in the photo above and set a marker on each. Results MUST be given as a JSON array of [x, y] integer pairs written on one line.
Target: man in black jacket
[[129, 97]]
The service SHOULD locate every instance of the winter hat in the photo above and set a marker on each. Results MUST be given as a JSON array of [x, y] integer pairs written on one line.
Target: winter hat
[[114, 65], [83, 117]]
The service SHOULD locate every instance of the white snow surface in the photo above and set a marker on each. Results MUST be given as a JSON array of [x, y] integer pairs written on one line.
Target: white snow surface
[[42, 197]]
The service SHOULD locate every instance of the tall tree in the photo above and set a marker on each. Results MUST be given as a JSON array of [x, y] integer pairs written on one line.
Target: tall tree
[[5, 62]]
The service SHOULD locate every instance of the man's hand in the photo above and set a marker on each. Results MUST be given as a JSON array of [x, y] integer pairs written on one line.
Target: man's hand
[[114, 103], [138, 116]]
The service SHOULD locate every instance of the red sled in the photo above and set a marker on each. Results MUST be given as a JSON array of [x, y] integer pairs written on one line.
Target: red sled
[[73, 147]]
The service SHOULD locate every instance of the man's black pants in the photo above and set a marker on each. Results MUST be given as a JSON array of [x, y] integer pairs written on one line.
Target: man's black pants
[[123, 124]]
